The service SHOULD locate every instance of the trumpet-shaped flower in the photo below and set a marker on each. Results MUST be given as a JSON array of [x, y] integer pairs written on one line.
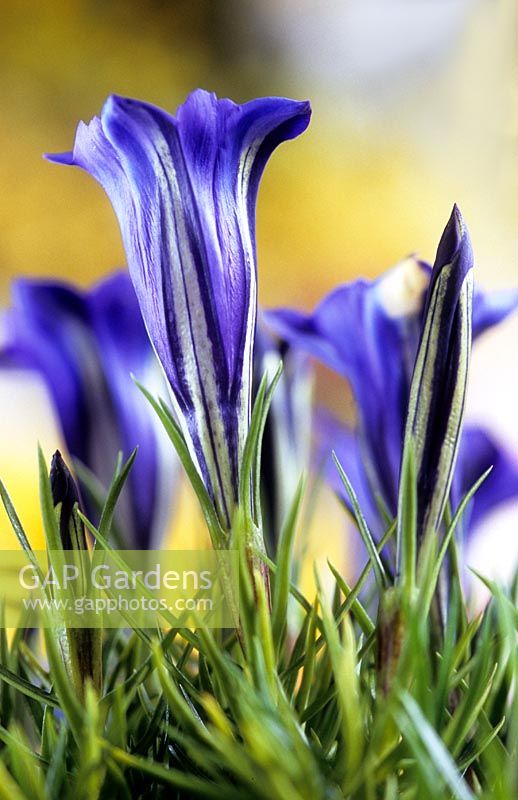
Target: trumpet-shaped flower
[[369, 332], [85, 346], [184, 189]]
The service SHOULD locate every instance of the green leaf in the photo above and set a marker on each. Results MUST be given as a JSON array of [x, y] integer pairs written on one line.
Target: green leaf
[[27, 688], [433, 761], [281, 586], [68, 700], [25, 764], [120, 477], [357, 610], [407, 523], [198, 787], [50, 523], [57, 772], [343, 663], [177, 438], [430, 567], [256, 475], [249, 489], [309, 663], [377, 564], [92, 767]]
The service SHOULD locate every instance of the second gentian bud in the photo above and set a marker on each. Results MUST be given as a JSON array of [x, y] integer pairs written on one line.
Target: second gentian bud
[[80, 647]]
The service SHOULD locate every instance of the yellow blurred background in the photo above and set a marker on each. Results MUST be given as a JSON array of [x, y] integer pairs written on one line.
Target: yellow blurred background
[[415, 106]]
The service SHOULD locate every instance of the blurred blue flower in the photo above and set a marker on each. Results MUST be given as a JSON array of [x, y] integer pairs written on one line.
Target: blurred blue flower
[[85, 345], [184, 189], [369, 332]]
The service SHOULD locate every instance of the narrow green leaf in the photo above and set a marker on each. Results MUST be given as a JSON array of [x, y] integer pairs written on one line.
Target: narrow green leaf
[[92, 767], [430, 568], [377, 564], [281, 586], [68, 701], [302, 696], [57, 772], [25, 765], [356, 608], [482, 744], [198, 787], [429, 749], [120, 477], [407, 523], [50, 523], [27, 688], [265, 634], [250, 449], [249, 488], [343, 662], [177, 438]]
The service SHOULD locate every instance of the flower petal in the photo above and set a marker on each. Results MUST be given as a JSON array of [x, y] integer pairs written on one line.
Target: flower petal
[[122, 340], [47, 325], [368, 332], [479, 451], [490, 308], [85, 346], [332, 435]]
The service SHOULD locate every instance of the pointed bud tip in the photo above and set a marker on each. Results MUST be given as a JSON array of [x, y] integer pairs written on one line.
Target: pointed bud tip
[[457, 220], [455, 227], [57, 462], [62, 484], [455, 244]]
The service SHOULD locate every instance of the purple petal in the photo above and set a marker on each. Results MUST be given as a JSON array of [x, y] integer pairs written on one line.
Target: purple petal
[[335, 436], [48, 327], [122, 340], [479, 451], [368, 332], [490, 308]]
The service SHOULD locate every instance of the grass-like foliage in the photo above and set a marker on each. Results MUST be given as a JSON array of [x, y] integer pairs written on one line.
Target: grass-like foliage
[[309, 698]]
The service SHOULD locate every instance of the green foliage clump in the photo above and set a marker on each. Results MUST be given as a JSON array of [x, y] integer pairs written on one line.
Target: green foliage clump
[[307, 698]]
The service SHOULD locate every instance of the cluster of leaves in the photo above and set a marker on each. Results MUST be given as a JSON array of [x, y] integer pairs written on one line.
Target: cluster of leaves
[[307, 698]]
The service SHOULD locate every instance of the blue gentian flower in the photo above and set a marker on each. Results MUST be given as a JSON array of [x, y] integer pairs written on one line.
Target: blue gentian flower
[[184, 189], [369, 332], [85, 346]]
